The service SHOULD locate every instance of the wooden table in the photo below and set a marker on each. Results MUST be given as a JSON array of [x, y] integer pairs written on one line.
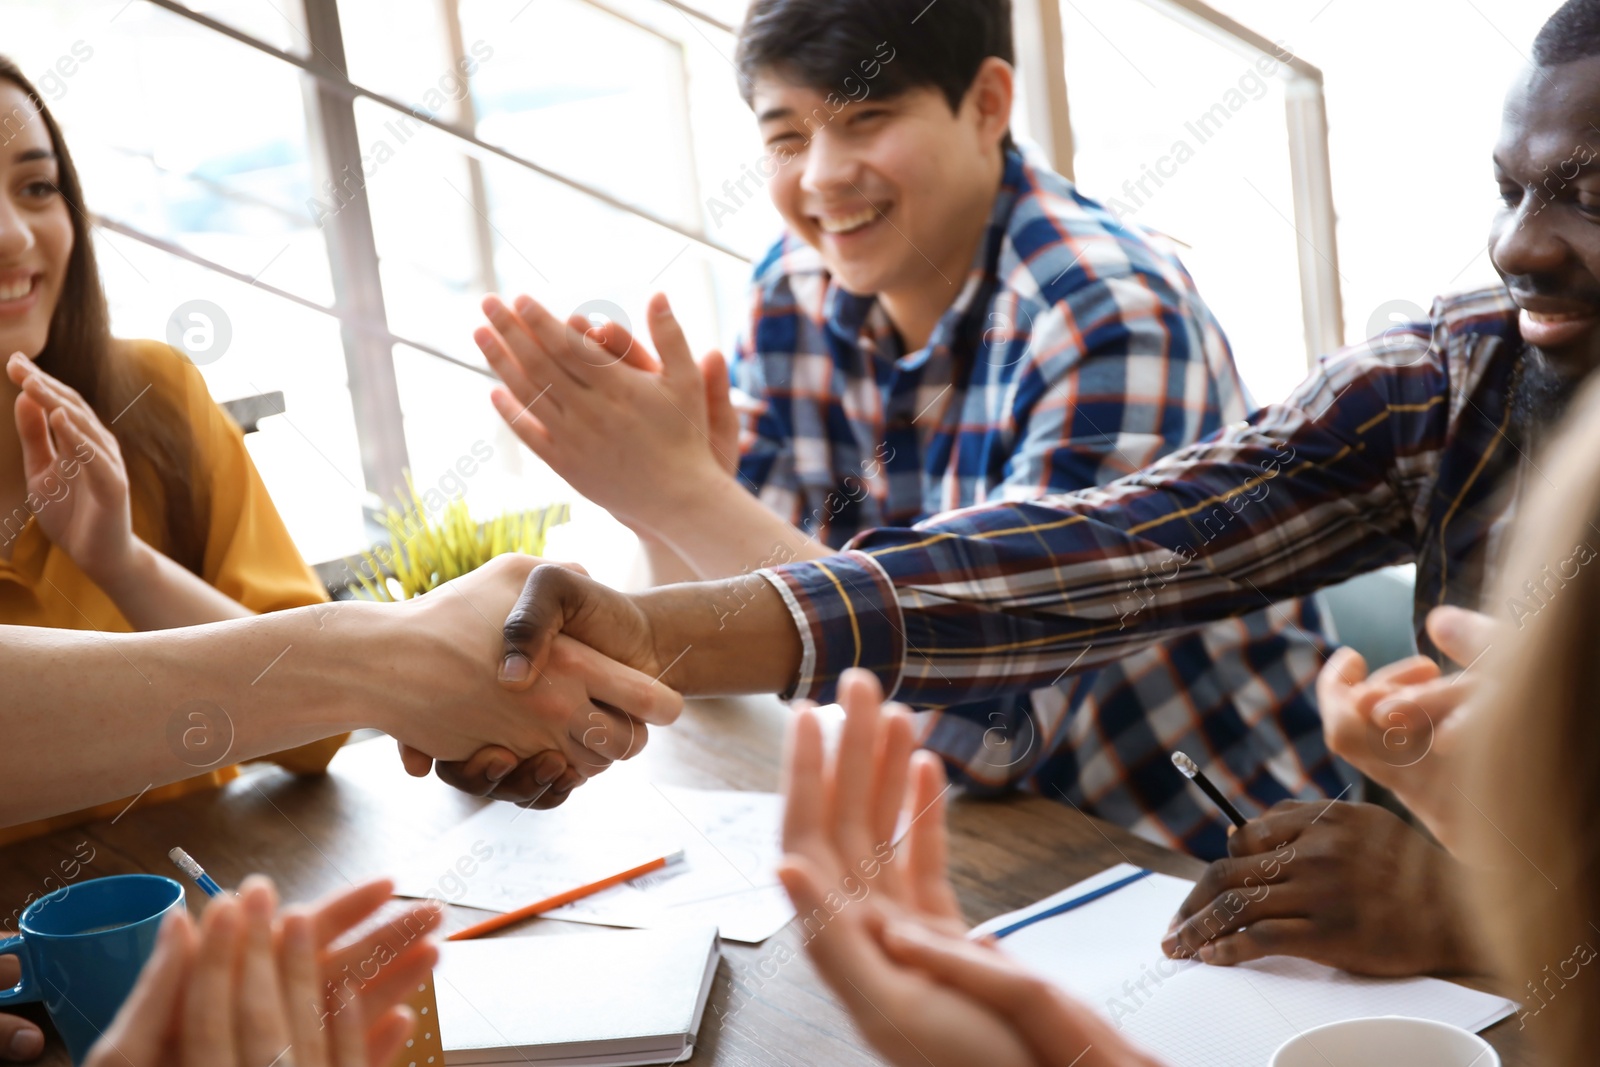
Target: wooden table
[[312, 835]]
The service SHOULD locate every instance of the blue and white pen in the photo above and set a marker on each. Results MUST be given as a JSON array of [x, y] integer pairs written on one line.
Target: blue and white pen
[[188, 866]]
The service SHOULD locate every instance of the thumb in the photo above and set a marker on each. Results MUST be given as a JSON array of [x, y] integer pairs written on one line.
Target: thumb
[[1461, 634], [671, 345], [537, 617]]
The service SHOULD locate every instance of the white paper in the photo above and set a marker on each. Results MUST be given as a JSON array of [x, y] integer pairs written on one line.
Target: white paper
[[505, 857], [729, 877], [1108, 953]]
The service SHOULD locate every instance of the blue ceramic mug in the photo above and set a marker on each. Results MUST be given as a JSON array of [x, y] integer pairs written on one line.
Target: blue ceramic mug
[[82, 948]]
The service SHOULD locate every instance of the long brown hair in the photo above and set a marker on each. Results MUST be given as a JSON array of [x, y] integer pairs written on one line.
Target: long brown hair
[[155, 437], [1534, 751]]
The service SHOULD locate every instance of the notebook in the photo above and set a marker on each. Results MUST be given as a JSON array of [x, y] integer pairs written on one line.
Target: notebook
[[1101, 941], [608, 999]]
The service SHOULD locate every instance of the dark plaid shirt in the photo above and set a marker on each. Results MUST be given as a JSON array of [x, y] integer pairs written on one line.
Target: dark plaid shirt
[[1392, 451], [1076, 352]]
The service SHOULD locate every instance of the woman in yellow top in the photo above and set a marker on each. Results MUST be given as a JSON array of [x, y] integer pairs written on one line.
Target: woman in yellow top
[[127, 498]]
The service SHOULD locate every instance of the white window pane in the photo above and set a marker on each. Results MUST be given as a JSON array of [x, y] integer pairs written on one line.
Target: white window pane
[[728, 12], [1412, 132], [546, 239], [398, 48], [726, 143], [188, 136], [573, 253], [427, 256], [280, 23], [309, 456], [1184, 136], [728, 149], [590, 95], [461, 449]]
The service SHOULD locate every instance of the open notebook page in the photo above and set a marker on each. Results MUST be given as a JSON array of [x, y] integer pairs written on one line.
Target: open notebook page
[[1108, 953]]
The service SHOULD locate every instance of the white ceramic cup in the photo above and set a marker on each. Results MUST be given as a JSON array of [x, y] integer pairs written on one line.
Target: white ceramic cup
[[1388, 1039]]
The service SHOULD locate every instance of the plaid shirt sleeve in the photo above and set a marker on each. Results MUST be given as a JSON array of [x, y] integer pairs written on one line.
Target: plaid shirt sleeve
[[1004, 598]]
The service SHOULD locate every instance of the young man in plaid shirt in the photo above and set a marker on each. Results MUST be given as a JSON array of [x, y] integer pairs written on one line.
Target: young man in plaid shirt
[[947, 323]]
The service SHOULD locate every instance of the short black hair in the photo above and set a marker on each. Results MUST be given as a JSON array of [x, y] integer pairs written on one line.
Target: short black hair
[[823, 44], [1571, 34]]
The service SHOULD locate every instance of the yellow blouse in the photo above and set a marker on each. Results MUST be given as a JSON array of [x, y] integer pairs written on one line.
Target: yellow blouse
[[248, 555]]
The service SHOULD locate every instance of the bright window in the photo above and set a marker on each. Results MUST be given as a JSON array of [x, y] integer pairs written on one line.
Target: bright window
[[1413, 98], [216, 174]]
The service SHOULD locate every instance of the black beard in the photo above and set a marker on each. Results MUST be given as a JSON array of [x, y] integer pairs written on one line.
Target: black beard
[[1539, 398]]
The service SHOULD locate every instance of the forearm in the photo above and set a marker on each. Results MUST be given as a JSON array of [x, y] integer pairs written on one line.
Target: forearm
[[154, 592], [726, 531], [91, 717], [731, 636]]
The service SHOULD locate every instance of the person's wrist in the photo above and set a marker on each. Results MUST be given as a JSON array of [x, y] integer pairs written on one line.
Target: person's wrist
[[415, 640], [356, 641], [719, 638], [123, 572], [695, 492]]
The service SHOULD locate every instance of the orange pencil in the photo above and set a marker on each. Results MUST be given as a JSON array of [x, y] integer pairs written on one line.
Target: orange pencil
[[551, 903]]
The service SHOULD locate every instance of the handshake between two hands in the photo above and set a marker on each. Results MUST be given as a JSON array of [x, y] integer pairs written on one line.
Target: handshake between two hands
[[527, 709]]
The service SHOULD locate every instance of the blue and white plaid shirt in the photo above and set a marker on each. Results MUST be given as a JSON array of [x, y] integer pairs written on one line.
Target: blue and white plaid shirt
[[1076, 352]]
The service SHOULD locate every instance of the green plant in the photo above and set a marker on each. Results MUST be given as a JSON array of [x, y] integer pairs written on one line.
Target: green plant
[[424, 553]]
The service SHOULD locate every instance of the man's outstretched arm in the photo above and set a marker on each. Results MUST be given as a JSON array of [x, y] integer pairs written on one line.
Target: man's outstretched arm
[[90, 717], [1005, 598], [723, 637], [1001, 599]]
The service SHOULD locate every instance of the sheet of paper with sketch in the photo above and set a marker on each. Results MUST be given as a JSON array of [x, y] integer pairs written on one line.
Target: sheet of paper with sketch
[[505, 857]]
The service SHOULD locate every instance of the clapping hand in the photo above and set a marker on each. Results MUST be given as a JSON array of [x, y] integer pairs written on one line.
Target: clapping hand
[[883, 926], [253, 986], [1401, 726], [74, 468], [639, 435]]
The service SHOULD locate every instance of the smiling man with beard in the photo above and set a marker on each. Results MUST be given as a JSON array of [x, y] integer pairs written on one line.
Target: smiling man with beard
[[1545, 242], [1414, 447]]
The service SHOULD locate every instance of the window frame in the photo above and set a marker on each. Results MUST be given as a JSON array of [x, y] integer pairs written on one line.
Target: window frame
[[358, 304]]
